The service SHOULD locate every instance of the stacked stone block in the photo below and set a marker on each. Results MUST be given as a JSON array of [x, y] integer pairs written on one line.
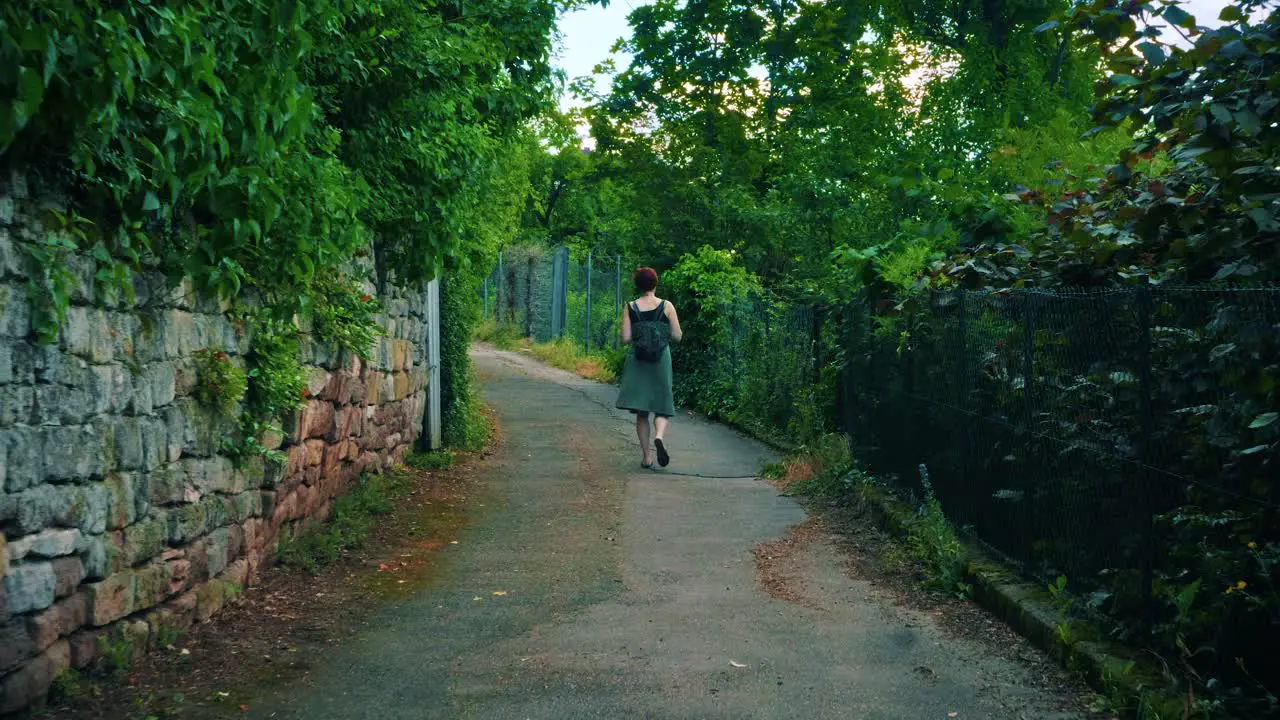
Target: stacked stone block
[[118, 512]]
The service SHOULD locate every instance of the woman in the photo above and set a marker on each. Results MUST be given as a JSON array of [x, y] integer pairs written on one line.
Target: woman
[[648, 326]]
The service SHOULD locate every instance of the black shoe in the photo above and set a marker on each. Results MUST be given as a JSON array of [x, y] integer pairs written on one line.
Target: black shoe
[[648, 466], [663, 457]]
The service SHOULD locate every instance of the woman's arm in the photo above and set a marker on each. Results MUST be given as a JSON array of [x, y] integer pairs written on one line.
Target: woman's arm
[[626, 326], [676, 332]]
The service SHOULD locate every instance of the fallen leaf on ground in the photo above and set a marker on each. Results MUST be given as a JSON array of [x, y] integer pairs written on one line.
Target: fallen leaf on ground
[[382, 567], [736, 664], [499, 593], [952, 714], [244, 708]]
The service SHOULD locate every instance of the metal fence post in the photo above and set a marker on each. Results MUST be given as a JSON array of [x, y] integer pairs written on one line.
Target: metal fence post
[[497, 294], [562, 291], [586, 335], [1146, 430], [617, 299], [963, 395], [1028, 360], [528, 298]]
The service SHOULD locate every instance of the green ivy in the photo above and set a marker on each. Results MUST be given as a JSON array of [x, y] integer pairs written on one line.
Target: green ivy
[[345, 315], [259, 144], [219, 382], [463, 425], [277, 381]]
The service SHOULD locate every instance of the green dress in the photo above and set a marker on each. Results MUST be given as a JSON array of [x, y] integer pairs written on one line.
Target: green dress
[[646, 386]]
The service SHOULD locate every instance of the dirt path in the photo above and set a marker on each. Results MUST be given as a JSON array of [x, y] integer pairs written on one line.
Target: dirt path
[[587, 588]]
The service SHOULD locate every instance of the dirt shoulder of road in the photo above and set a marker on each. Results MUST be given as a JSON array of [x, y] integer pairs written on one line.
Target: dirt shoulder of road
[[277, 629], [867, 553]]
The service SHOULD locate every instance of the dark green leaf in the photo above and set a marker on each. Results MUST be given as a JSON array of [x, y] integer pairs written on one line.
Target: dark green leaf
[[1178, 16], [1152, 52], [1230, 14], [50, 59], [31, 90], [1264, 420]]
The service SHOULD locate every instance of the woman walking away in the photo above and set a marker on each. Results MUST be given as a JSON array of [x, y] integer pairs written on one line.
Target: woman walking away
[[649, 326]]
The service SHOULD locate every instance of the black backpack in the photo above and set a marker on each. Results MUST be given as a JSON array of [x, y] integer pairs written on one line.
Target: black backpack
[[650, 337]]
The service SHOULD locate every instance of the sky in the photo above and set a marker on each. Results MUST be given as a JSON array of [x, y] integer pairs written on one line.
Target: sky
[[589, 33]]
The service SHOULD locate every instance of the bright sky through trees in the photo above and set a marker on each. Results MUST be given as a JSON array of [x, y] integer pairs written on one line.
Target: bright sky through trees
[[590, 33]]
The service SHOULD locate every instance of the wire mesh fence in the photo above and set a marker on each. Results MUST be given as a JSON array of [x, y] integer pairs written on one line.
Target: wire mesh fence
[[1127, 440], [552, 294], [1069, 430]]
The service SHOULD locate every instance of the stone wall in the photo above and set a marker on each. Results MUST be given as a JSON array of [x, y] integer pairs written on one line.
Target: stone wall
[[118, 513]]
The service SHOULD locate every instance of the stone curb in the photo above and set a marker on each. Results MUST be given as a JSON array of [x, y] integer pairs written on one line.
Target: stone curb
[[1114, 670]]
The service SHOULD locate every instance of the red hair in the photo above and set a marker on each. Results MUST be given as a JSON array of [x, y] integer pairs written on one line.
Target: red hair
[[646, 279]]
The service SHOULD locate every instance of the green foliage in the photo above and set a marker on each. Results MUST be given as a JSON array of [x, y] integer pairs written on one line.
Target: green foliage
[[464, 425], [277, 380], [826, 469], [567, 354], [712, 292], [344, 314], [277, 384], [259, 144], [501, 335], [49, 281], [219, 382], [430, 460], [933, 541], [1062, 606], [168, 636], [349, 523], [116, 651], [68, 685]]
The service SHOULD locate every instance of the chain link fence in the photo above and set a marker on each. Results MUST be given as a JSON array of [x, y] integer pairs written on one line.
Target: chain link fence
[[551, 294]]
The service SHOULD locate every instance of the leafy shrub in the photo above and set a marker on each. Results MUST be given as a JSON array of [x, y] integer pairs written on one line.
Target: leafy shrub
[[219, 383], [68, 685], [348, 525], [343, 314], [116, 651], [714, 295], [277, 381], [823, 469], [276, 385], [430, 460], [933, 541], [503, 336]]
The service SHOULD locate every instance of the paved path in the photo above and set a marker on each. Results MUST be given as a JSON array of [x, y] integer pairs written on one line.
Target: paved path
[[633, 594]]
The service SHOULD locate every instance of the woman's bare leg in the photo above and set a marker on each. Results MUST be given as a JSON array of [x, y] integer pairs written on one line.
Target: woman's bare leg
[[642, 432], [659, 427]]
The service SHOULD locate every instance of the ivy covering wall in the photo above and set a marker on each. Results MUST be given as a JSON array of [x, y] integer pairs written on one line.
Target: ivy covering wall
[[266, 150]]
